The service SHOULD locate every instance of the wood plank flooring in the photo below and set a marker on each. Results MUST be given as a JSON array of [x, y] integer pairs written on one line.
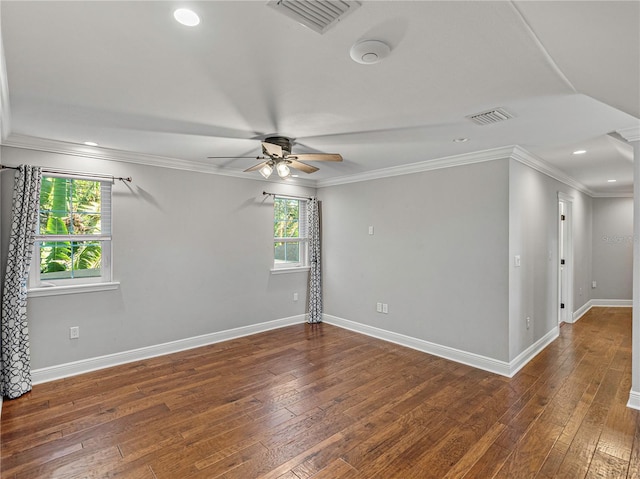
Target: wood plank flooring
[[322, 402]]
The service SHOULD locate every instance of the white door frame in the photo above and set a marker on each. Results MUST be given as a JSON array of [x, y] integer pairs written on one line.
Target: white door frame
[[565, 314]]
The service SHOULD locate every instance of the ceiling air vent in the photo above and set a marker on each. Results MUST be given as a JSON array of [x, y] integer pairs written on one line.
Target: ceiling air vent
[[490, 116], [318, 15]]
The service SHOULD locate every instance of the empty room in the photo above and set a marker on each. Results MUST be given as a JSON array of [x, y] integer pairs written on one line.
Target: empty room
[[319, 239]]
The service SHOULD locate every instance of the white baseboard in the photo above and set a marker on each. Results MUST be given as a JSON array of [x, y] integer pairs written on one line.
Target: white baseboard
[[532, 351], [503, 368], [581, 311], [606, 303], [612, 303], [60, 371], [634, 400]]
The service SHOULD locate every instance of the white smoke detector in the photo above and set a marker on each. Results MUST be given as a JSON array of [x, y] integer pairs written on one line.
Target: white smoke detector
[[369, 52]]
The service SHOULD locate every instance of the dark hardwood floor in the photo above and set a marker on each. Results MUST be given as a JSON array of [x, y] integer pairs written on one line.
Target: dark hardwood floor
[[323, 402]]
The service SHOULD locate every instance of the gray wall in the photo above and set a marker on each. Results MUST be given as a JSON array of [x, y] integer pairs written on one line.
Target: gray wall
[[613, 248], [192, 252], [437, 257], [533, 233], [582, 247]]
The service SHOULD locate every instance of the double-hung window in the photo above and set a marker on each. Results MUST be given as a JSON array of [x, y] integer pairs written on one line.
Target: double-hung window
[[290, 241], [73, 235]]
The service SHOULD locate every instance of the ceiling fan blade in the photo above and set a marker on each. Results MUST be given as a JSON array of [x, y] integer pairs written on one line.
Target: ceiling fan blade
[[315, 157], [255, 167], [274, 151], [298, 165], [237, 157]]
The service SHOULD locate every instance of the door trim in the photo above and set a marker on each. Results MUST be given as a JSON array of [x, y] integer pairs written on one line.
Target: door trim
[[565, 314]]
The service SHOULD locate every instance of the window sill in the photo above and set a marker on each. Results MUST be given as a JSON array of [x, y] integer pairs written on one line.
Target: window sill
[[299, 269], [76, 288]]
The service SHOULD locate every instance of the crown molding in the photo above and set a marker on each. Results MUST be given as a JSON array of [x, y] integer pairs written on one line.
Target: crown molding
[[26, 142], [630, 134], [529, 159], [428, 165], [621, 194], [514, 152], [523, 156]]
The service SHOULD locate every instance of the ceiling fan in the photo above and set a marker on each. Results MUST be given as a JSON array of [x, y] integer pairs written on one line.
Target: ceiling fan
[[279, 158]]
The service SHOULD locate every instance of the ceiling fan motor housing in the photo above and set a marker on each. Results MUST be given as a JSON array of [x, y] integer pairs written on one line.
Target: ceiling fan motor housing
[[282, 142]]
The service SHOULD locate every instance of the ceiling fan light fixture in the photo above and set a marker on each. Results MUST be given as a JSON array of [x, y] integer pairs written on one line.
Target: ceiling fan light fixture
[[266, 171], [283, 170]]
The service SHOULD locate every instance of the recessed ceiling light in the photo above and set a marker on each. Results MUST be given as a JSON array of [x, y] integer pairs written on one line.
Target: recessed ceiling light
[[611, 181], [186, 17], [579, 152], [460, 140], [90, 143]]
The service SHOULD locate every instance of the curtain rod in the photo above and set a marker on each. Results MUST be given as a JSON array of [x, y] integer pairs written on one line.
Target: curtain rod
[[287, 196], [74, 173]]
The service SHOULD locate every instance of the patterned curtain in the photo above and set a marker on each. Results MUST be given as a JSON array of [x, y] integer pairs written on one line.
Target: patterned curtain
[[15, 366], [315, 275]]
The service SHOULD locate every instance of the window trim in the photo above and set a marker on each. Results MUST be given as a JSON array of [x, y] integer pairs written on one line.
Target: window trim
[[303, 264], [297, 269], [71, 289], [36, 286]]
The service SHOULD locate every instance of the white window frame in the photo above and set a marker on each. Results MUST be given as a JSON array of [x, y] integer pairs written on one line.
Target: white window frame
[[303, 239], [49, 287]]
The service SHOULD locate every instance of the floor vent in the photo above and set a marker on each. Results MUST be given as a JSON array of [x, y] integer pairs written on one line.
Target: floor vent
[[318, 15], [490, 116]]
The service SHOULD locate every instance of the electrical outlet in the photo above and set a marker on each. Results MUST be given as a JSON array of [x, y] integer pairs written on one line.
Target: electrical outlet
[[594, 285], [379, 307], [385, 308], [74, 332], [370, 230], [528, 322], [295, 296]]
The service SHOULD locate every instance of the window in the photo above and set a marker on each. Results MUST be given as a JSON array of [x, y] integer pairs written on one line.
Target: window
[[73, 235], [289, 233]]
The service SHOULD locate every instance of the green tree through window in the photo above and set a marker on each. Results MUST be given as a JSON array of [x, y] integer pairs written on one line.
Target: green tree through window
[[72, 232]]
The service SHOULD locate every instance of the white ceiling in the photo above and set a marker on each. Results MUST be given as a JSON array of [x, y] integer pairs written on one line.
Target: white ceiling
[[128, 76]]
